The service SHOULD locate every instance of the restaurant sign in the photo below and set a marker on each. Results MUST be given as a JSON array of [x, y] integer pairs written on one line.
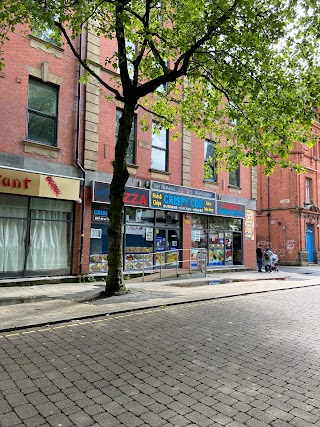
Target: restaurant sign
[[32, 184], [182, 203], [133, 196]]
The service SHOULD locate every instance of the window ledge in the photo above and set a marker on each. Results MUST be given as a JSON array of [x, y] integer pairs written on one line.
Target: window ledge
[[132, 169], [158, 174], [213, 185], [234, 189], [159, 171], [41, 149], [129, 165]]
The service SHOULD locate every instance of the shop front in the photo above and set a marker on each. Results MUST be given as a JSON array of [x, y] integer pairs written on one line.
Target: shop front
[[153, 233], [225, 234], [220, 237], [151, 237], [36, 223], [217, 226]]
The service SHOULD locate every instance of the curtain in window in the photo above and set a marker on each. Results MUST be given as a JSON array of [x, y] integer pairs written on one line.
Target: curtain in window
[[49, 242], [12, 241]]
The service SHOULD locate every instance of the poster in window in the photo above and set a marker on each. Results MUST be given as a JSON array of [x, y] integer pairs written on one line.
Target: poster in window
[[149, 234], [195, 235]]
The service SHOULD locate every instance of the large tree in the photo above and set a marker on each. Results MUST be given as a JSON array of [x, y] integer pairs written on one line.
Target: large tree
[[250, 62]]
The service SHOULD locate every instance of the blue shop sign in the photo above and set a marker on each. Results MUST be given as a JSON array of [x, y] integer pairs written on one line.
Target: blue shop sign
[[100, 215], [231, 209], [182, 203]]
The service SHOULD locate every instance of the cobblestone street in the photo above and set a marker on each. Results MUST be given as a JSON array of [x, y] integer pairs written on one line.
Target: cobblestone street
[[250, 360]]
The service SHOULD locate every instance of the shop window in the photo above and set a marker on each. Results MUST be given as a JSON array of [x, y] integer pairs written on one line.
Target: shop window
[[199, 221], [159, 154], [216, 252], [99, 239], [42, 112], [139, 235], [13, 231], [221, 241], [216, 223], [234, 177], [308, 191], [234, 224], [138, 247], [139, 215], [51, 235], [43, 227], [210, 164], [130, 158], [199, 238], [164, 217]]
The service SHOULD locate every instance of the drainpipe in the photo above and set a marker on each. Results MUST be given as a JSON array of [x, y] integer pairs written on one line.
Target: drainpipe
[[83, 172]]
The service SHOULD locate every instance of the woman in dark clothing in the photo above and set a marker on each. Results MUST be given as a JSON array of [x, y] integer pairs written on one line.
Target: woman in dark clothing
[[259, 257]]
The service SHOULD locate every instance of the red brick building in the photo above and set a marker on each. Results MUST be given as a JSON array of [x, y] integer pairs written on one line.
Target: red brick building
[[288, 214], [56, 151]]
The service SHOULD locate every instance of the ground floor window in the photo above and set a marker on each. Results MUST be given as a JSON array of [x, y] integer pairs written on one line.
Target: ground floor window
[[151, 238], [220, 237], [35, 236]]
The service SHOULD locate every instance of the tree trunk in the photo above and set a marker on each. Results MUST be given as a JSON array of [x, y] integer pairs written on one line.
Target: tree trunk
[[114, 280]]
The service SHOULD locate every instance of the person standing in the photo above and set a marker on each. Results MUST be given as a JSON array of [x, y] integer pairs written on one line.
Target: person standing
[[267, 260], [259, 254]]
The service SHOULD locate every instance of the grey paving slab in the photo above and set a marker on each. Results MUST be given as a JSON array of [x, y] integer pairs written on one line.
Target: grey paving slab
[[247, 361], [59, 302]]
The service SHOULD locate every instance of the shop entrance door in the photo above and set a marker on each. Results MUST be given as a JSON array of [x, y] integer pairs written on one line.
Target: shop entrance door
[[167, 240], [237, 249]]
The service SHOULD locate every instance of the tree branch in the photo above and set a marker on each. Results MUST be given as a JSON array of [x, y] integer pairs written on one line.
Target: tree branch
[[85, 66], [155, 114], [127, 86], [185, 57], [180, 70]]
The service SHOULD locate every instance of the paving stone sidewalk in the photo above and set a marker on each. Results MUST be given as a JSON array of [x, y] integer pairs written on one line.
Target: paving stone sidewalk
[[247, 361], [23, 306]]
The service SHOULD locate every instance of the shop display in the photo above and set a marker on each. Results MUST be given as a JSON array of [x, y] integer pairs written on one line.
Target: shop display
[[98, 263], [197, 256], [160, 258], [216, 255], [173, 257], [229, 258], [138, 259]]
